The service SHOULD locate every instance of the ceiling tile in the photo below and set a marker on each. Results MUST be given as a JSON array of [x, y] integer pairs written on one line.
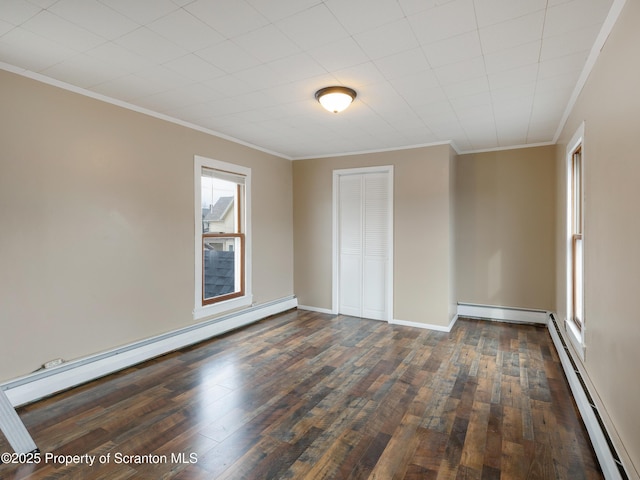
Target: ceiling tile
[[463, 103], [453, 50], [460, 71], [16, 13], [387, 40], [119, 57], [411, 7], [513, 33], [43, 3], [313, 27], [185, 30], [82, 71], [276, 10], [514, 77], [230, 85], [559, 65], [150, 45], [229, 17], [31, 51], [339, 54], [296, 67], [574, 15], [509, 95], [444, 21], [228, 56], [129, 87], [425, 96], [5, 27], [301, 91], [403, 63], [164, 76], [359, 76], [194, 68], [260, 77], [513, 58], [409, 85], [63, 32], [358, 16], [569, 43], [267, 44], [489, 12], [95, 17], [142, 12]]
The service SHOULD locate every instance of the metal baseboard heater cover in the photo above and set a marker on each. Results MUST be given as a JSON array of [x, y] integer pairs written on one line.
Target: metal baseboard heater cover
[[13, 429]]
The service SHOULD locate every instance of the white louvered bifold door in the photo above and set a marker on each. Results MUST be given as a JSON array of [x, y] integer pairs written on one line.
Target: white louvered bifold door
[[375, 246], [364, 245], [350, 212]]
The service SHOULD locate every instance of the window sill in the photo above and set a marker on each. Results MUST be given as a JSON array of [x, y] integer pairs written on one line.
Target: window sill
[[222, 307]]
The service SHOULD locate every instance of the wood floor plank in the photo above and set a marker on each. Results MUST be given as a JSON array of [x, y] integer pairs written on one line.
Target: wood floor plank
[[305, 395]]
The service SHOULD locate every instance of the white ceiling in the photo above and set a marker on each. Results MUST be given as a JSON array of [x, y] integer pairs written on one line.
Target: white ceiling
[[484, 74]]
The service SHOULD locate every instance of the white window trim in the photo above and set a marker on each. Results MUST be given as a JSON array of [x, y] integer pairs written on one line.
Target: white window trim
[[575, 334], [200, 311]]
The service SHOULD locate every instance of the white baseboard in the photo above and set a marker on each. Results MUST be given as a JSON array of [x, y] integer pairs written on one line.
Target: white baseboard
[[427, 326], [506, 314], [597, 434], [328, 311], [47, 382]]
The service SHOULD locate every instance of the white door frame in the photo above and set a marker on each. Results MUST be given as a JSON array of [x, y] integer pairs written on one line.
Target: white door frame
[[388, 169]]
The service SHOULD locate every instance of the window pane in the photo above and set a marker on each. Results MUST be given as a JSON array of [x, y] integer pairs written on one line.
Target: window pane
[[222, 262], [219, 205]]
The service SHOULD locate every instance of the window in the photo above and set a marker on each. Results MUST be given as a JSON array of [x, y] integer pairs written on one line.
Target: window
[[575, 321], [222, 202], [576, 237]]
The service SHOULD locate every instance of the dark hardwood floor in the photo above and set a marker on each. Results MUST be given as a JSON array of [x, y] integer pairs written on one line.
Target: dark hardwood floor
[[304, 395]]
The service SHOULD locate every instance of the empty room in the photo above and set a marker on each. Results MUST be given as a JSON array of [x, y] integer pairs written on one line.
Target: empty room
[[300, 239]]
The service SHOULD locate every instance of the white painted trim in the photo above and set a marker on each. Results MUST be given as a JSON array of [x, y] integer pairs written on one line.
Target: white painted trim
[[388, 169], [41, 384], [509, 147], [427, 326], [380, 150], [507, 314], [203, 311], [596, 435], [576, 338], [315, 309]]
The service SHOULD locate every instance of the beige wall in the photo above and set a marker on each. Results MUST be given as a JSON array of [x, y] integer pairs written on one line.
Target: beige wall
[[422, 231], [610, 107], [505, 225], [96, 211]]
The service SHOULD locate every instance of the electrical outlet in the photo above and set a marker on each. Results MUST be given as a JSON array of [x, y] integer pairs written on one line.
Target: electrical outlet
[[53, 363]]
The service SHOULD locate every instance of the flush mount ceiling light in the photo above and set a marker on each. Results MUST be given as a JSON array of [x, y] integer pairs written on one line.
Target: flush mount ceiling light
[[335, 99]]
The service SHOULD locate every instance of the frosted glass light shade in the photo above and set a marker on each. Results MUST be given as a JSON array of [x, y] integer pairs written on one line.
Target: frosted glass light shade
[[335, 99]]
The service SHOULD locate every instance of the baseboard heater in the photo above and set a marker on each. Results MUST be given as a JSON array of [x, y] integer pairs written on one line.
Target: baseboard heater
[[505, 314], [43, 383], [13, 428], [610, 462]]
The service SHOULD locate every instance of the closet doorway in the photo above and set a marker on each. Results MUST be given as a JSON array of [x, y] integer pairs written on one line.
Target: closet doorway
[[363, 242]]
